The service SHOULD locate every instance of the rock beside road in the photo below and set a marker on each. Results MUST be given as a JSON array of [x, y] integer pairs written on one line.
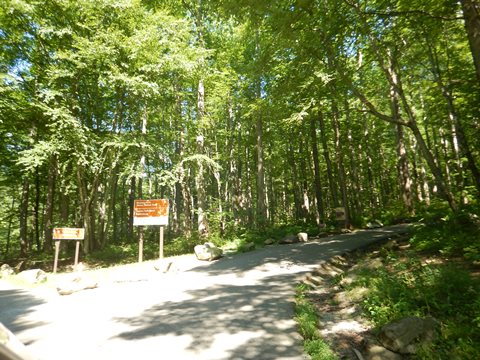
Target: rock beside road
[[208, 252], [78, 283], [33, 276]]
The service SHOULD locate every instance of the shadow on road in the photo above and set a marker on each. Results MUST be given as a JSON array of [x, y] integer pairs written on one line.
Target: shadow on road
[[252, 316], [13, 316], [240, 322]]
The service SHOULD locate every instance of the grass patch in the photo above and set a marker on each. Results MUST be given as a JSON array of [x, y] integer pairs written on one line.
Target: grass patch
[[412, 283], [307, 319]]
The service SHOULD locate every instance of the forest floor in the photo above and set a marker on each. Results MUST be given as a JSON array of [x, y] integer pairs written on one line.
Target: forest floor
[[338, 294]]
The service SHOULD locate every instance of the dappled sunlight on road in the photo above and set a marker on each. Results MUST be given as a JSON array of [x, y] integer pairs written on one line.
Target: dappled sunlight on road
[[240, 307]]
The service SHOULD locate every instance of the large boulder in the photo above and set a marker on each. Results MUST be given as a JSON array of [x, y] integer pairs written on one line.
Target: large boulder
[[6, 270], [269, 241], [302, 236], [250, 246], [406, 335], [78, 283], [208, 252], [375, 224], [289, 239], [33, 276]]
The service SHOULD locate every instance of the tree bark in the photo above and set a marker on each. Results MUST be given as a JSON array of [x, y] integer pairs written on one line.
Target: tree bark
[[402, 163], [471, 15], [261, 207], [24, 241], [48, 224], [316, 169], [339, 158], [202, 221]]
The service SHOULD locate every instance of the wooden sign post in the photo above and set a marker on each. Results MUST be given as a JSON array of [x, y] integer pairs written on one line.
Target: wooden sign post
[[151, 212], [76, 234]]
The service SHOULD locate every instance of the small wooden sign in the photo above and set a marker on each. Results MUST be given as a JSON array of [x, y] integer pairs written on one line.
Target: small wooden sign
[[68, 234], [150, 212]]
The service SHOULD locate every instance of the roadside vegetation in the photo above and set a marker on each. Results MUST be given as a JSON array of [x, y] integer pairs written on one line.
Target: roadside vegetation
[[435, 274]]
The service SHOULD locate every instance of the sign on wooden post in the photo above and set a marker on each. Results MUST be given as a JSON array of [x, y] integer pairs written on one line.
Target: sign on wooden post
[[151, 212], [76, 234]]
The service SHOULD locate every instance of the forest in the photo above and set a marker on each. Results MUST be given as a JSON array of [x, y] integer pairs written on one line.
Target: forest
[[247, 115]]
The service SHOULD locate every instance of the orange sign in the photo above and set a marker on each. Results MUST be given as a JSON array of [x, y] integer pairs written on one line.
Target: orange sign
[[68, 234], [150, 212]]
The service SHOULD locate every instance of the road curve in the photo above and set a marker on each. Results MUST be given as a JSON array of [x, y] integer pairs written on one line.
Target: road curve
[[239, 307]]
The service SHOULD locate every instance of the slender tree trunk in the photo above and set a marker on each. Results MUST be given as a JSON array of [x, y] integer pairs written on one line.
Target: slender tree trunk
[[339, 159], [202, 221], [24, 241], [261, 207], [48, 228], [9, 229], [141, 233], [317, 177], [332, 185], [185, 192], [402, 164], [131, 203], [471, 15], [36, 211]]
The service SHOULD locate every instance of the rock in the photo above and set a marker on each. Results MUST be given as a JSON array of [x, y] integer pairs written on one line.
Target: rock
[[208, 252], [406, 335], [269, 242], [33, 276], [377, 352], [248, 247], [289, 239], [302, 237], [78, 283], [6, 270], [375, 224]]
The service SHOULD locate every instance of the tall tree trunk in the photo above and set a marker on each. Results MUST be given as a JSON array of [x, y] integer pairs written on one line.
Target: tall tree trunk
[[36, 211], [332, 185], [471, 15], [24, 241], [131, 203], [339, 158], [316, 168], [202, 221], [402, 164], [141, 232], [9, 229], [48, 228], [261, 207]]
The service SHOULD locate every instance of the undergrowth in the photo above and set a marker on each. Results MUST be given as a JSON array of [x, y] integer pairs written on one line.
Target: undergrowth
[[307, 321], [437, 277]]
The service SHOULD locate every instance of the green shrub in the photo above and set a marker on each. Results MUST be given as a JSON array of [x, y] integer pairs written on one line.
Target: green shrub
[[307, 321]]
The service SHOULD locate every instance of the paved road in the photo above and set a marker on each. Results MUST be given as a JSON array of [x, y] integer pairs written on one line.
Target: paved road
[[236, 308]]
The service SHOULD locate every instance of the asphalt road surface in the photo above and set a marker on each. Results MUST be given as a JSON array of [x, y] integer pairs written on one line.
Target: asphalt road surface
[[239, 307]]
